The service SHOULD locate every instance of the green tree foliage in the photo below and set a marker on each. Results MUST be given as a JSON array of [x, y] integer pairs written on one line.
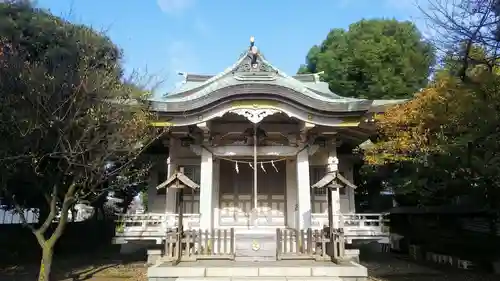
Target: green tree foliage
[[373, 59], [442, 144], [68, 124]]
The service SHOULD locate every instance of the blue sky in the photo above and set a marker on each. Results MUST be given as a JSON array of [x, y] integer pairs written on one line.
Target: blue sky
[[163, 37]]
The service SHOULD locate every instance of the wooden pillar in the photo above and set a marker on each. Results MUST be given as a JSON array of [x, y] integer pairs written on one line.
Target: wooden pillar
[[334, 204], [206, 190], [170, 194], [180, 226], [291, 194], [304, 190]]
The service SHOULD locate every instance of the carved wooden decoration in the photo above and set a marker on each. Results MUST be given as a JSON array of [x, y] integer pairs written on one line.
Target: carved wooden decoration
[[254, 115]]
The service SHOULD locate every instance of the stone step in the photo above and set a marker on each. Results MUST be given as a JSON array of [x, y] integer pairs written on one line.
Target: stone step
[[255, 258], [283, 270], [263, 279]]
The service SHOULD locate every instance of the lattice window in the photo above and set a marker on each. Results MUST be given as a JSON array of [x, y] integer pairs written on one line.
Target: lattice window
[[342, 191], [193, 172], [191, 197], [319, 203], [319, 199]]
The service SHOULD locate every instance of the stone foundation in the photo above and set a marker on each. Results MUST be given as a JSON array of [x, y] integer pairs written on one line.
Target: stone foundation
[[352, 255], [154, 256], [247, 271]]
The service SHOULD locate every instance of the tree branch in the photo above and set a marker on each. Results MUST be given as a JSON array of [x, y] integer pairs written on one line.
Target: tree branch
[[53, 211], [67, 203]]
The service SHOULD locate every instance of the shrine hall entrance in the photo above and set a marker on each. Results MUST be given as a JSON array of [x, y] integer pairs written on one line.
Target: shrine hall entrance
[[236, 194]]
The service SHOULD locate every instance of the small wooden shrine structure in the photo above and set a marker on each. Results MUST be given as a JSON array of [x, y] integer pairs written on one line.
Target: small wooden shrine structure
[[177, 181]]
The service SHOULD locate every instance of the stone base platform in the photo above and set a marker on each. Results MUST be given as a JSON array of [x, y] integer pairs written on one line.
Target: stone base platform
[[296, 270]]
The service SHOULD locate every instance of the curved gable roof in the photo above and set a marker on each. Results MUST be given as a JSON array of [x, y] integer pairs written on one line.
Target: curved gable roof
[[311, 82], [247, 78]]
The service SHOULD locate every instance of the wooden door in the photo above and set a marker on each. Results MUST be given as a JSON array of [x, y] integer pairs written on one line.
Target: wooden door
[[271, 194], [236, 194]]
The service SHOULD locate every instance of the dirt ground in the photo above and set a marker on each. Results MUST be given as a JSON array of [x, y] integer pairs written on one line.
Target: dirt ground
[[382, 267], [105, 267], [390, 267]]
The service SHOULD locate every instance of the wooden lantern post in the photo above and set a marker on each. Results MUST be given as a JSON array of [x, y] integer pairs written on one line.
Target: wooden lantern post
[[178, 181], [329, 181]]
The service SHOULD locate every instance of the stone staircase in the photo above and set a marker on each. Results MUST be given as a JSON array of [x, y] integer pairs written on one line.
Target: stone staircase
[[258, 271], [255, 251]]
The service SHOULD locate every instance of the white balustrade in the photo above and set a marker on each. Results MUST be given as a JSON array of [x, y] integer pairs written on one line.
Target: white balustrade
[[355, 225], [152, 224], [361, 226]]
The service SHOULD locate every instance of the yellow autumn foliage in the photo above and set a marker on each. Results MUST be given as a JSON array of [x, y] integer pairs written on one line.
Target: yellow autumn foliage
[[420, 125]]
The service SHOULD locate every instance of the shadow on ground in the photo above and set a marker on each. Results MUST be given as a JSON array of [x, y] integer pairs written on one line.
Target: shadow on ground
[[393, 267], [111, 266], [107, 265]]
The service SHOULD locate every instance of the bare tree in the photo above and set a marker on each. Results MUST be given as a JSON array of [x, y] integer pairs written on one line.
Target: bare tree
[[460, 27]]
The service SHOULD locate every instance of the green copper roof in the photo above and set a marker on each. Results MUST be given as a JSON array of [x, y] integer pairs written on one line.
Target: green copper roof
[[307, 84], [253, 75]]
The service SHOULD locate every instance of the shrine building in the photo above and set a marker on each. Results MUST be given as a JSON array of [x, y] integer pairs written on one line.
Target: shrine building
[[257, 142]]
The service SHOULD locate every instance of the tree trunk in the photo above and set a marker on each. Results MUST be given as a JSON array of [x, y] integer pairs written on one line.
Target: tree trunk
[[46, 263], [48, 245], [43, 214]]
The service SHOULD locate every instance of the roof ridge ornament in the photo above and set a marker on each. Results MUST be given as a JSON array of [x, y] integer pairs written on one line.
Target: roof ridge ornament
[[253, 66], [254, 53], [317, 76]]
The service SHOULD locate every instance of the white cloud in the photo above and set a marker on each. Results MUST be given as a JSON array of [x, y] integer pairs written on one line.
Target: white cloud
[[174, 6]]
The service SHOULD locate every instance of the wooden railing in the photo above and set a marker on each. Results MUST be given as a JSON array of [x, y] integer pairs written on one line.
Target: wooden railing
[[309, 244], [152, 224], [198, 244], [363, 220], [189, 220], [355, 224]]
